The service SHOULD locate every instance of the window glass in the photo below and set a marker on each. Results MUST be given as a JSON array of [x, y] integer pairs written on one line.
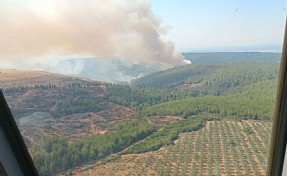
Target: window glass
[[143, 87]]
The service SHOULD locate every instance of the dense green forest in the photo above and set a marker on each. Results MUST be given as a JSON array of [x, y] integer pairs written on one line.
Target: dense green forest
[[253, 101], [264, 91], [241, 107], [137, 97], [175, 76], [77, 106], [57, 154], [234, 75], [169, 134], [214, 78]]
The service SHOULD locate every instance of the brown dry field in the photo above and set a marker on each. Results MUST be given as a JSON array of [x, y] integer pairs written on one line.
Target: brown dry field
[[75, 127], [13, 77], [205, 152], [23, 77], [31, 101]]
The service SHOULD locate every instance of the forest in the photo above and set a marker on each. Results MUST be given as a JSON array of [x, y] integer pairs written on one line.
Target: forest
[[57, 154], [215, 78]]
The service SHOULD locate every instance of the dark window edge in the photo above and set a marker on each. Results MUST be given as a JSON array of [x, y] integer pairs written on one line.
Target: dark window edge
[[15, 139], [279, 128]]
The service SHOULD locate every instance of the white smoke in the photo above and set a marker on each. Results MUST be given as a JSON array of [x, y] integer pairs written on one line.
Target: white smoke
[[187, 61], [125, 29]]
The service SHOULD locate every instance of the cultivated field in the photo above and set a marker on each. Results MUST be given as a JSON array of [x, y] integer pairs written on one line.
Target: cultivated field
[[220, 148]]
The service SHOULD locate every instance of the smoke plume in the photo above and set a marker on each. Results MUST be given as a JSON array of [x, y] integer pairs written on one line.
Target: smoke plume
[[125, 29]]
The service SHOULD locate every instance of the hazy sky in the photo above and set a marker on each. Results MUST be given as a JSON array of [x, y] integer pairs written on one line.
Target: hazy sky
[[208, 23]]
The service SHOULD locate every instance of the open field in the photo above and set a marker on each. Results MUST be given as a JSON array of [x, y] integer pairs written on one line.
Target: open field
[[76, 126], [11, 77], [220, 148]]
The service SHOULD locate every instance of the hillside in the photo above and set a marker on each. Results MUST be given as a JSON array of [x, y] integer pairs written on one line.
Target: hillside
[[13, 77], [175, 76], [211, 78], [47, 105]]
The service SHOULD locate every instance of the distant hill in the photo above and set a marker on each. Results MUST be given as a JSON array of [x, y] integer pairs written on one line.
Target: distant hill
[[175, 76], [14, 77], [232, 57], [215, 71], [213, 78]]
